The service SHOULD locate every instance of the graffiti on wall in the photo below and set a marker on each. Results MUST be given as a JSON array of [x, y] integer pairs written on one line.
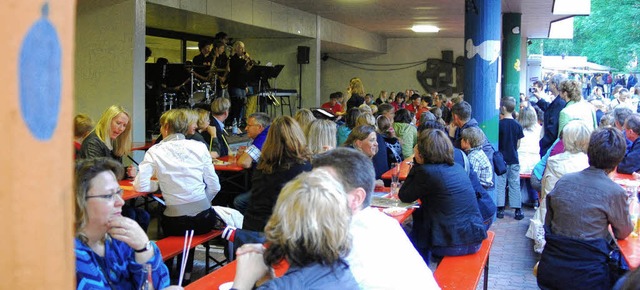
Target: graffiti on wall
[[439, 75]]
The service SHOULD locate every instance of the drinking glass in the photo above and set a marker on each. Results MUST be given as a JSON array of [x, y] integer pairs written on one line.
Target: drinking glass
[[395, 173]]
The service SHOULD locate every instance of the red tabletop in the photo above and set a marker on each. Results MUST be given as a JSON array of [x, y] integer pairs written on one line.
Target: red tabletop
[[226, 273], [630, 249], [405, 166], [400, 218], [129, 191], [141, 145], [227, 167]]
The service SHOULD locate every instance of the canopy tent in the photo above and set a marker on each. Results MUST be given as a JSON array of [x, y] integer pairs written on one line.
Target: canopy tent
[[575, 64]]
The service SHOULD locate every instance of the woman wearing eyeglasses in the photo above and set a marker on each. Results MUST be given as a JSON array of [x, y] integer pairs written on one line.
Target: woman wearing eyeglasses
[[111, 250]]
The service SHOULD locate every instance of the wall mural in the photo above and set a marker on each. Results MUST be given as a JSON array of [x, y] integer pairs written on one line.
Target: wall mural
[[39, 83], [439, 75]]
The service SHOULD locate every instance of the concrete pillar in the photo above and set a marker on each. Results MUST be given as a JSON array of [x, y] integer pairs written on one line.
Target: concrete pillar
[[511, 62], [482, 59], [36, 199]]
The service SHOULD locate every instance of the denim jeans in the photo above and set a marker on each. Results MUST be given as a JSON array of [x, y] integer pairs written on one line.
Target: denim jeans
[[511, 179], [241, 202]]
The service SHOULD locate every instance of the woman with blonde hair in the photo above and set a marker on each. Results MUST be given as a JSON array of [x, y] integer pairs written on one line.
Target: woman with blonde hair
[[110, 138], [304, 117], [356, 93], [284, 156], [309, 229], [208, 132], [321, 136]]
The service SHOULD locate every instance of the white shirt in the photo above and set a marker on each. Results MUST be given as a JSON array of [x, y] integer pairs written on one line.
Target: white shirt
[[185, 173], [382, 257]]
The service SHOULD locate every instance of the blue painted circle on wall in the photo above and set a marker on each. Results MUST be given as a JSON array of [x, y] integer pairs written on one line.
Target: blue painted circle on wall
[[40, 78]]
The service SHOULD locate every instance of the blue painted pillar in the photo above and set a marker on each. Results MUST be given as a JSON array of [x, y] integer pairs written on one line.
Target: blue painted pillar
[[482, 59]]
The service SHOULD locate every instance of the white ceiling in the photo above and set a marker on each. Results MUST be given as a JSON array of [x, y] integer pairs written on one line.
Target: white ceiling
[[393, 18]]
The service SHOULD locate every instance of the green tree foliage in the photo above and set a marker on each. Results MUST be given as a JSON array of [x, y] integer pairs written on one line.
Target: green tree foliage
[[609, 36]]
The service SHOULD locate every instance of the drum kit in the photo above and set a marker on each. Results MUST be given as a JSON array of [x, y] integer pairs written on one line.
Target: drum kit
[[193, 93]]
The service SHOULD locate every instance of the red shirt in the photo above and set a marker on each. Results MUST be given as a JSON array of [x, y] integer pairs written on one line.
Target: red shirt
[[411, 108], [332, 109]]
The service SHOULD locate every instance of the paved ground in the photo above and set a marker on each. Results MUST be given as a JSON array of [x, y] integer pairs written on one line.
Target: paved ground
[[512, 257]]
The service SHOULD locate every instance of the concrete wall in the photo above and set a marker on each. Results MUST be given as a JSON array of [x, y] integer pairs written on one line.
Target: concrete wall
[[335, 75], [109, 63]]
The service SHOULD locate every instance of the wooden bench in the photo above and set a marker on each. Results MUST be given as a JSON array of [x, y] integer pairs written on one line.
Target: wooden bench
[[172, 246], [225, 274], [463, 272]]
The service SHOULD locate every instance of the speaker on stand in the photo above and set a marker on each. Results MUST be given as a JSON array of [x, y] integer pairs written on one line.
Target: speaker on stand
[[303, 58]]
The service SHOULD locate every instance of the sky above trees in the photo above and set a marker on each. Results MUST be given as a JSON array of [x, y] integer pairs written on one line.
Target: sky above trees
[[609, 36]]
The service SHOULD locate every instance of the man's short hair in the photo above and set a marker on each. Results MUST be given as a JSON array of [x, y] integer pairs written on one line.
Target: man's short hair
[[538, 84], [385, 108], [415, 96], [557, 79], [218, 43], [473, 135], [633, 123], [220, 106], [462, 110], [621, 114], [607, 147], [335, 95], [353, 169], [261, 118], [203, 43], [509, 104]]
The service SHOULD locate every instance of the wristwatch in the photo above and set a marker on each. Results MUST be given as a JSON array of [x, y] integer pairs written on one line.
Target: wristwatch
[[147, 247]]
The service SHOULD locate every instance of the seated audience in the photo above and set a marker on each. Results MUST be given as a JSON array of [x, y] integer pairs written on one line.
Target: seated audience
[[105, 241], [582, 209], [471, 143], [309, 229], [575, 137], [344, 130], [380, 160], [333, 106], [284, 156], [184, 170], [82, 126], [257, 129], [382, 98], [631, 161], [220, 111], [398, 101], [405, 131], [415, 104], [371, 256], [394, 148], [321, 136], [304, 117], [448, 223], [208, 132]]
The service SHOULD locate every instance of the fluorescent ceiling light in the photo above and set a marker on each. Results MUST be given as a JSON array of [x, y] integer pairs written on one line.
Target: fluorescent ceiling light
[[425, 28], [571, 7], [192, 47], [561, 29]]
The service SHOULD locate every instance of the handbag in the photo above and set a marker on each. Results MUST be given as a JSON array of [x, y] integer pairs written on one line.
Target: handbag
[[499, 165]]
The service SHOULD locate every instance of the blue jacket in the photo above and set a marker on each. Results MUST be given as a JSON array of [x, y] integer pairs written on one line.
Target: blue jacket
[[315, 276], [224, 151], [631, 161], [551, 122], [568, 263], [449, 214], [119, 261], [380, 164]]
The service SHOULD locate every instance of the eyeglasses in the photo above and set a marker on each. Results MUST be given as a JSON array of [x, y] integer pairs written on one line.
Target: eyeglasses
[[110, 196]]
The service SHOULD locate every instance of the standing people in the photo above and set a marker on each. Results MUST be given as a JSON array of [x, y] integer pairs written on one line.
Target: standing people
[[356, 93], [551, 113], [239, 66], [203, 60], [220, 69], [509, 135]]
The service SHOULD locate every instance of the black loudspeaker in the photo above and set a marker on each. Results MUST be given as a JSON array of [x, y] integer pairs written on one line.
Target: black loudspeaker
[[303, 54]]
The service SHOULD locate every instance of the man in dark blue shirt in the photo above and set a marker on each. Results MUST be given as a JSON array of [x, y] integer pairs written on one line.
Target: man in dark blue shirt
[[631, 161], [551, 113]]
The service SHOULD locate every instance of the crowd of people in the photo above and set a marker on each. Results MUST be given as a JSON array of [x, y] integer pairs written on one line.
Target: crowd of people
[[313, 179]]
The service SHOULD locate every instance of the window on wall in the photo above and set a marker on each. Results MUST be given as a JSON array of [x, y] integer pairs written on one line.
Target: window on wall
[[168, 48], [172, 45]]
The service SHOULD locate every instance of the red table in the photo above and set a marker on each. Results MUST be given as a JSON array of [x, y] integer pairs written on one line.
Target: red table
[[234, 172], [630, 249], [129, 191], [405, 166], [226, 273], [141, 145]]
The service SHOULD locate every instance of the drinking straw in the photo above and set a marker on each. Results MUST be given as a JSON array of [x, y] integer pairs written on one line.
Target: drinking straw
[[188, 237]]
